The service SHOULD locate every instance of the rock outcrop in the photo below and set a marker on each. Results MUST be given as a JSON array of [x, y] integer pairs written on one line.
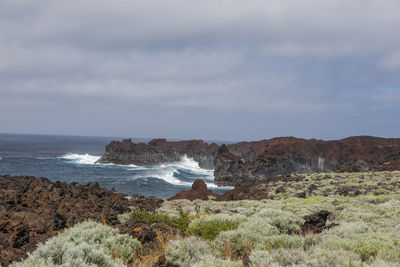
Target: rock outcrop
[[199, 191], [248, 162], [35, 209], [159, 151]]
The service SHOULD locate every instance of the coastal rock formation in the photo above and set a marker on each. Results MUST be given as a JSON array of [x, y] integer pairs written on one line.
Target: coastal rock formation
[[199, 191], [35, 209], [159, 151], [248, 162]]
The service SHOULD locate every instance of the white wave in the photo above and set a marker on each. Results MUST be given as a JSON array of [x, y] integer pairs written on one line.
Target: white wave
[[81, 158], [189, 164], [166, 174], [1, 158]]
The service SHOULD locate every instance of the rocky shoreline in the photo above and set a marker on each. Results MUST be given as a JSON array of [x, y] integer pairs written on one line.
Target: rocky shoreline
[[34, 209], [249, 162]]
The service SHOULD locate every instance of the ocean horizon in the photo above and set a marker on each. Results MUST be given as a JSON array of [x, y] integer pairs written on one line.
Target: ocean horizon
[[70, 158]]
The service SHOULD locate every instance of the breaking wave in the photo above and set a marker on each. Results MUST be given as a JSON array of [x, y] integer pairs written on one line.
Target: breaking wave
[[80, 158], [181, 173]]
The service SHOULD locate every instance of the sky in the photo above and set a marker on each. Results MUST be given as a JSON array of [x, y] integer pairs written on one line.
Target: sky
[[209, 69]]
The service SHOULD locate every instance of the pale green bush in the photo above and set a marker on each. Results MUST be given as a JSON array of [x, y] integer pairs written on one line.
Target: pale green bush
[[212, 261], [187, 251], [283, 241], [279, 257], [326, 257], [85, 244]]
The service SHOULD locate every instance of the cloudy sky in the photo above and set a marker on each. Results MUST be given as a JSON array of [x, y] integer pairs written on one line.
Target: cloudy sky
[[211, 69]]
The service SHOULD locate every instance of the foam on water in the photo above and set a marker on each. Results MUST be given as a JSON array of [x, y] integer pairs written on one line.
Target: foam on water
[[167, 172], [80, 158]]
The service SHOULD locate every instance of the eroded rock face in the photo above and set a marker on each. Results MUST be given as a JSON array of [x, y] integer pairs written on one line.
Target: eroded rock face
[[248, 162], [199, 191], [159, 151], [35, 209]]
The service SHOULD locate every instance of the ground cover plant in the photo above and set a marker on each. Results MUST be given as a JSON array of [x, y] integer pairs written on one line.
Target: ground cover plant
[[362, 229]]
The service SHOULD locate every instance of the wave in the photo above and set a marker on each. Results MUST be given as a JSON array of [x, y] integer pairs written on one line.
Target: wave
[[80, 158], [1, 158], [181, 173], [173, 173], [166, 174]]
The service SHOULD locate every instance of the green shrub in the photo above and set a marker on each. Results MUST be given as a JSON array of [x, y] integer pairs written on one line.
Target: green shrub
[[283, 241], [181, 222], [210, 230], [209, 226]]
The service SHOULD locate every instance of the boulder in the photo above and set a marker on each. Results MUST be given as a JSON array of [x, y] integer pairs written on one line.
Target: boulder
[[199, 191]]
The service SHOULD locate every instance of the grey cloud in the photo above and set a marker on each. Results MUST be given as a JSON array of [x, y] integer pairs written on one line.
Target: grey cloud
[[204, 69]]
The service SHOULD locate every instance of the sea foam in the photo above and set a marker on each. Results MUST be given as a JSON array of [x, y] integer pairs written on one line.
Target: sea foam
[[80, 158]]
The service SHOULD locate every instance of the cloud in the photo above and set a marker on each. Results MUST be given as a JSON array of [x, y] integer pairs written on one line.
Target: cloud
[[172, 60]]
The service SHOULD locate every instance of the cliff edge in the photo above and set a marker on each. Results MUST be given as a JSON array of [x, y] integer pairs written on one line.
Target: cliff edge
[[248, 162]]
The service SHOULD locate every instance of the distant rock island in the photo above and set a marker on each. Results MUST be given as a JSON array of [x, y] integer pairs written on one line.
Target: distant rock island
[[159, 151], [248, 162]]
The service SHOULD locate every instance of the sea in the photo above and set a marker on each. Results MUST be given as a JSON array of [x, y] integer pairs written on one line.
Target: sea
[[72, 159]]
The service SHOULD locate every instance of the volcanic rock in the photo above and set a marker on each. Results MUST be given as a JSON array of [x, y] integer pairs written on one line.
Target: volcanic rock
[[159, 151], [35, 209], [248, 162], [316, 222], [199, 191]]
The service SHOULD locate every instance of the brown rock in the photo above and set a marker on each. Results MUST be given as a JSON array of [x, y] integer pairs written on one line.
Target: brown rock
[[199, 191], [35, 209], [316, 222], [248, 162]]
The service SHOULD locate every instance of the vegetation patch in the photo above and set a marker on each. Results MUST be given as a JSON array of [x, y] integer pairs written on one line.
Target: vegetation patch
[[180, 222], [86, 244]]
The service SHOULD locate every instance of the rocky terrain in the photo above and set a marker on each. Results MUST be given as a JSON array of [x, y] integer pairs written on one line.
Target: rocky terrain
[[248, 162], [35, 209], [159, 151], [320, 219]]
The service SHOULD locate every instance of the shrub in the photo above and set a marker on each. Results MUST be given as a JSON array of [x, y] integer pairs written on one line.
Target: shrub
[[181, 222], [283, 241], [211, 261], [187, 251], [327, 257], [279, 257], [210, 230], [87, 243], [208, 227]]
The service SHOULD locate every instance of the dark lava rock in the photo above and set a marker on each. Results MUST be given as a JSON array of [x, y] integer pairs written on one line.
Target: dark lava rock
[[249, 162], [159, 151], [281, 189], [316, 223], [148, 234], [258, 190], [199, 191], [35, 209], [300, 195]]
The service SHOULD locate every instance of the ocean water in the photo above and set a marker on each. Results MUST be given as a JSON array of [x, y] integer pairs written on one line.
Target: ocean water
[[72, 158]]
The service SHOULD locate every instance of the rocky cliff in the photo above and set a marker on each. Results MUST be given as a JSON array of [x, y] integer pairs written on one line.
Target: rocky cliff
[[248, 162], [159, 151]]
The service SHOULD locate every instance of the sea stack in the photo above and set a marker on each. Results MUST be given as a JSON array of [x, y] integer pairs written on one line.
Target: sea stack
[[159, 151]]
